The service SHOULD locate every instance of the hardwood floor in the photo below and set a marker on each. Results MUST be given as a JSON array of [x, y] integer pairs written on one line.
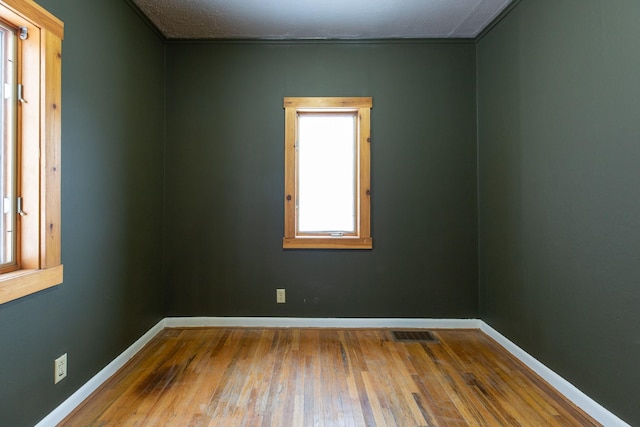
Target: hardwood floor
[[324, 377]]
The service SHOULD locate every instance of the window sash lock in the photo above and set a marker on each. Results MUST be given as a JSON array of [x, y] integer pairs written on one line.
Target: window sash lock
[[19, 207]]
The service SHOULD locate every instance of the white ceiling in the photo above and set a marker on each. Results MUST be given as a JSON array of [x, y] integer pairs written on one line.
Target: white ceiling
[[321, 19]]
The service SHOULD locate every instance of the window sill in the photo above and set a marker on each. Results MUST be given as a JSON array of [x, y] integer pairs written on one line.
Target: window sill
[[18, 284], [327, 243]]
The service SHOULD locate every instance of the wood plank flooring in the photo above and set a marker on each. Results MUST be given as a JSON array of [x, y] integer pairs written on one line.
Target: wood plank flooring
[[324, 377]]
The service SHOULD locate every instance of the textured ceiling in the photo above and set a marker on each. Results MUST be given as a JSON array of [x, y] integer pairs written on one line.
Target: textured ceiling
[[320, 19]]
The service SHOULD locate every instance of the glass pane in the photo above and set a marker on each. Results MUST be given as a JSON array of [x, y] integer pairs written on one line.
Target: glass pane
[[326, 150], [7, 153]]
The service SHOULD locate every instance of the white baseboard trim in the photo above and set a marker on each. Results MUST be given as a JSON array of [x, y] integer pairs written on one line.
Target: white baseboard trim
[[590, 406], [66, 407], [300, 322], [580, 399]]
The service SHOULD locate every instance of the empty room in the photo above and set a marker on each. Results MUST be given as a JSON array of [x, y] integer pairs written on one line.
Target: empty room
[[167, 257]]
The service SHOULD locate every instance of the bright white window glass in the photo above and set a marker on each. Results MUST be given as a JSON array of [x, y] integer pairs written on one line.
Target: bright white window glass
[[7, 152], [326, 168]]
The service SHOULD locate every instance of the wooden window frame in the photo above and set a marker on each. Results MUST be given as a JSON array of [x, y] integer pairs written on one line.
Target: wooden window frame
[[39, 144], [362, 237]]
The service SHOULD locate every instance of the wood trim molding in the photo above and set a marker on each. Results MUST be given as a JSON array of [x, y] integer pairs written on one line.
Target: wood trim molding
[[326, 243], [19, 283], [328, 102], [33, 12], [50, 146]]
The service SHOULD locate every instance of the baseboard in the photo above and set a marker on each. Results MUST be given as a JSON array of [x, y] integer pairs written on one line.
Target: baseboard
[[580, 399], [300, 322], [66, 407], [590, 406]]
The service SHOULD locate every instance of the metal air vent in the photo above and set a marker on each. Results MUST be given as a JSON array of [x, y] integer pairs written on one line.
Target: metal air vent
[[413, 336]]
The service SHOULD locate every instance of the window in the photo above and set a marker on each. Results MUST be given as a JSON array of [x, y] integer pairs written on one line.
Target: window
[[8, 107], [327, 192], [30, 116]]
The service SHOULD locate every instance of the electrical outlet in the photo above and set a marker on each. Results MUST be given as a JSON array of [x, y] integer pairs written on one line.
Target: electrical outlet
[[60, 369], [280, 296]]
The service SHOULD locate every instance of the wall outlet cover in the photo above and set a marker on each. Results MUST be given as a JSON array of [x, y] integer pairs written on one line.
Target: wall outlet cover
[[60, 368]]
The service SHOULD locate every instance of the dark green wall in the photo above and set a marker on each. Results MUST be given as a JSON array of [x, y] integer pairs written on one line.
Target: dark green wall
[[112, 193], [225, 155], [559, 205]]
